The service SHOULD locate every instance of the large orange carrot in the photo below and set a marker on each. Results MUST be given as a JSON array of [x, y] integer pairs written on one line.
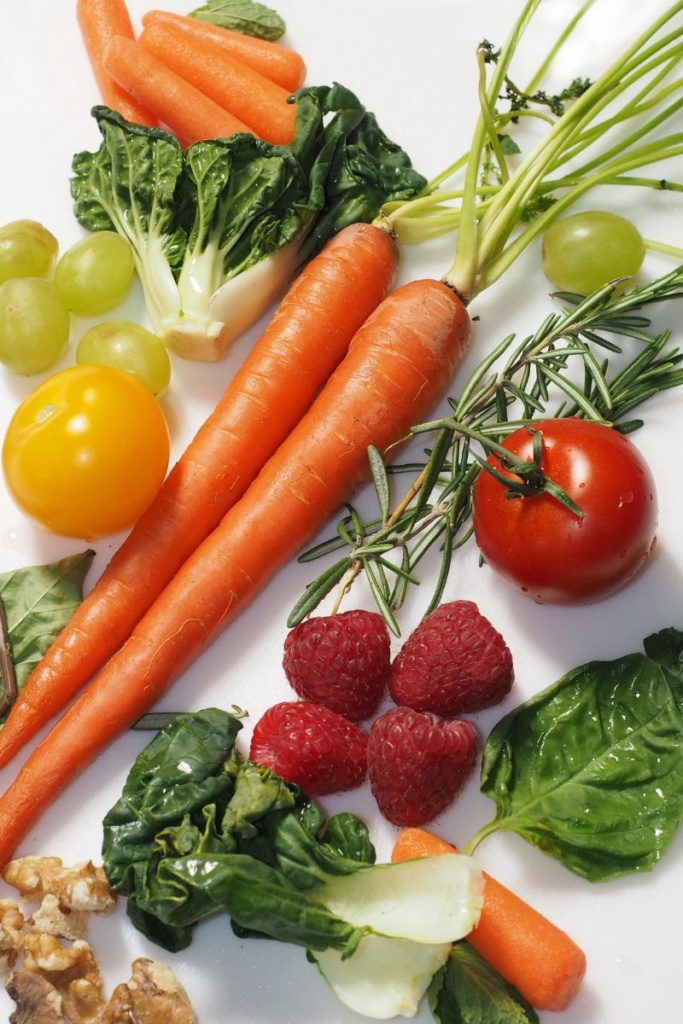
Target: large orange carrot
[[543, 963], [98, 21], [247, 94], [398, 363], [306, 338], [280, 64], [189, 114]]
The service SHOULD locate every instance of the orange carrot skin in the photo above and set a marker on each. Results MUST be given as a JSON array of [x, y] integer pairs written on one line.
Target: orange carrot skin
[[98, 21], [245, 93], [399, 362], [543, 963], [279, 63], [305, 339], [189, 114]]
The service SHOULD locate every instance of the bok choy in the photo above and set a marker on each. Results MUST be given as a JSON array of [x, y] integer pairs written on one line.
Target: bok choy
[[220, 229], [198, 831]]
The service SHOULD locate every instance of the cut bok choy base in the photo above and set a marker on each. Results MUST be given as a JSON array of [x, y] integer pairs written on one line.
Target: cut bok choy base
[[199, 831], [220, 229]]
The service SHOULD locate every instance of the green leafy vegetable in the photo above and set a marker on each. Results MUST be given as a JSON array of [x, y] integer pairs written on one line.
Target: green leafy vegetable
[[590, 770], [199, 830], [253, 19], [467, 990], [217, 231], [36, 603]]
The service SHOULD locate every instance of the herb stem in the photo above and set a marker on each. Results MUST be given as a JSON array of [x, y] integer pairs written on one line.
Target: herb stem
[[7, 671]]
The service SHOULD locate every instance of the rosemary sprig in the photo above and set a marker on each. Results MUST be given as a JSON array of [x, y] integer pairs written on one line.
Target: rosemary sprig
[[566, 368]]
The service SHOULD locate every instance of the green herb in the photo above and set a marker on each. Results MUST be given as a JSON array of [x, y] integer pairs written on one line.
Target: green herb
[[468, 990], [199, 831], [253, 19], [555, 372], [218, 230], [590, 770], [35, 604]]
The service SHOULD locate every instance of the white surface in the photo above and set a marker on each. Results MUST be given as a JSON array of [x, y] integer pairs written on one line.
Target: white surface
[[413, 64]]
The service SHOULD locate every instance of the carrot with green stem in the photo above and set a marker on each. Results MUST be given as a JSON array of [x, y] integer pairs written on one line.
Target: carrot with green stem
[[188, 113], [543, 963], [305, 339], [245, 93], [398, 364], [99, 21], [279, 63]]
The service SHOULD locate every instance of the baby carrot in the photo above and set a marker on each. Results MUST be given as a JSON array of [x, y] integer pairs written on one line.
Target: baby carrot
[[279, 63], [398, 363], [543, 963], [307, 336], [183, 109], [98, 21], [245, 93]]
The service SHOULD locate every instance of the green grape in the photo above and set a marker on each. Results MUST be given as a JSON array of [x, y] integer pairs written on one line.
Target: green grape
[[27, 249], [130, 347], [95, 274], [583, 252], [34, 325]]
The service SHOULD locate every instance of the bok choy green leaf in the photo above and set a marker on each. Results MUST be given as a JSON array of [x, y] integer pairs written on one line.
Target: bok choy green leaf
[[198, 831], [220, 229]]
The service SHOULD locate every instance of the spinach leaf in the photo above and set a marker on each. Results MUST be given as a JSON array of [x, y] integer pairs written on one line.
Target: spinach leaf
[[468, 990], [590, 770], [246, 16], [37, 602]]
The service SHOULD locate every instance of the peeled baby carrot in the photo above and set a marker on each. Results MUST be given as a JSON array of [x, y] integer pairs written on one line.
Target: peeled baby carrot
[[543, 963], [279, 63], [99, 21], [307, 336], [398, 364], [253, 99], [188, 113]]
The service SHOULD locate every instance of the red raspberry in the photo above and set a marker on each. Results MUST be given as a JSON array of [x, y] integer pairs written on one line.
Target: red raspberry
[[341, 661], [311, 746], [418, 762], [453, 663]]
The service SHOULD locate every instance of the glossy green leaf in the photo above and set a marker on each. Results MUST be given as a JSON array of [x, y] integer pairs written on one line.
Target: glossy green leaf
[[246, 16], [468, 990], [590, 770], [38, 601]]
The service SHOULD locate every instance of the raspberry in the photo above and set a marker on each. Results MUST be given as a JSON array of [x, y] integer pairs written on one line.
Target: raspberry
[[341, 661], [418, 762], [453, 663], [311, 746]]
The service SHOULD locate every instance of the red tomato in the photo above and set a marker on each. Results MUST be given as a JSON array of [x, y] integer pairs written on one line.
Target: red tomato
[[544, 548]]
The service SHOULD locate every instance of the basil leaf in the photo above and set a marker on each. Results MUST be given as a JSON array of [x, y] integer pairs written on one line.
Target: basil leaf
[[246, 16], [38, 601], [468, 990], [590, 770]]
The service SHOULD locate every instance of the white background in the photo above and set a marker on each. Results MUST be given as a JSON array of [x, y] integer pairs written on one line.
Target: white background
[[413, 65]]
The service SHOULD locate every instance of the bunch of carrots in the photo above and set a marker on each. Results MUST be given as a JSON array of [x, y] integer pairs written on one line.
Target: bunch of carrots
[[196, 79]]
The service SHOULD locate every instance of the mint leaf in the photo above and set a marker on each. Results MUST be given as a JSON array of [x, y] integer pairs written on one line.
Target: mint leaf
[[468, 990]]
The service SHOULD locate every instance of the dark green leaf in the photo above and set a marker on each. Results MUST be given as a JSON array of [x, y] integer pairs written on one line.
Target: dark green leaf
[[246, 16], [590, 770], [38, 601], [467, 990]]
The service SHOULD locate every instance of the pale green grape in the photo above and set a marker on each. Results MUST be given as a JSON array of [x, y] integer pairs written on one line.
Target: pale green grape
[[34, 325], [27, 249], [95, 274], [583, 252], [130, 347]]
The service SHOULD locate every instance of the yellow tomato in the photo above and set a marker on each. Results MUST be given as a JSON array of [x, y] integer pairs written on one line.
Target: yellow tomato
[[86, 451]]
